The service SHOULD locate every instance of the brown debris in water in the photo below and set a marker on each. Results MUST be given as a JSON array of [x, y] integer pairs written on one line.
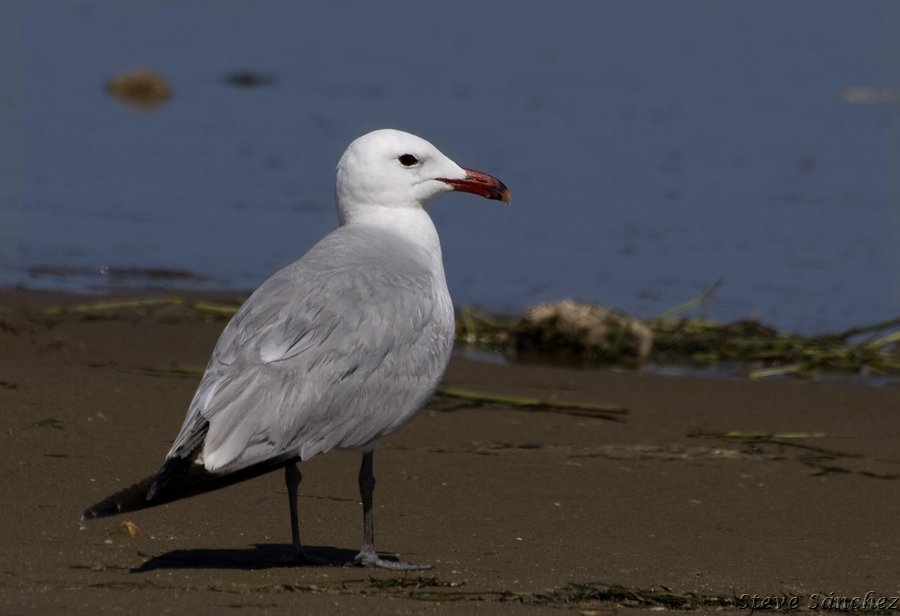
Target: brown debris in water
[[140, 87]]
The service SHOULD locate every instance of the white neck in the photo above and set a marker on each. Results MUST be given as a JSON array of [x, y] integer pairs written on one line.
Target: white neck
[[411, 223]]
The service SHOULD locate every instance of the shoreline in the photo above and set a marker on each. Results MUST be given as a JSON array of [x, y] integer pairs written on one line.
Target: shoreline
[[686, 347], [711, 488]]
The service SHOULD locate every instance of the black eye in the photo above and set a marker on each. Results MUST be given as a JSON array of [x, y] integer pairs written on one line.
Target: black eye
[[408, 160]]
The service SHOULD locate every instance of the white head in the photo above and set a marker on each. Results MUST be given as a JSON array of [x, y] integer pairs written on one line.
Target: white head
[[392, 169]]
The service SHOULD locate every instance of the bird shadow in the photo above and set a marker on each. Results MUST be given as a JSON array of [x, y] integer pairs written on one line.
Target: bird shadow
[[260, 556]]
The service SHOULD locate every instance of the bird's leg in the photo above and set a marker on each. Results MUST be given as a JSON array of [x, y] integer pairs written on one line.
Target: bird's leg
[[292, 479], [367, 556]]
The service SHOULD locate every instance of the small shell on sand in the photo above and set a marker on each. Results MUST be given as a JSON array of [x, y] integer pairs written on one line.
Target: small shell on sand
[[129, 528]]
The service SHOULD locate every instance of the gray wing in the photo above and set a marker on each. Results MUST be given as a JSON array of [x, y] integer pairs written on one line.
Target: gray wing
[[336, 350]]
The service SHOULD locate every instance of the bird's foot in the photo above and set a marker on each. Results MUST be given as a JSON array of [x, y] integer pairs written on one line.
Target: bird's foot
[[370, 558]]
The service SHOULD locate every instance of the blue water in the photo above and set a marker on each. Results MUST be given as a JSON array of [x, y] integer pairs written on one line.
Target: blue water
[[652, 148]]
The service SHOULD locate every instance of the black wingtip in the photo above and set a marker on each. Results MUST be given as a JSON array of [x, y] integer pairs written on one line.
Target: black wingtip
[[129, 499], [178, 478]]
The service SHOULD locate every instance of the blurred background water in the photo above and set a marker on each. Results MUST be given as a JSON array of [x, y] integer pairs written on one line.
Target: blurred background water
[[652, 148]]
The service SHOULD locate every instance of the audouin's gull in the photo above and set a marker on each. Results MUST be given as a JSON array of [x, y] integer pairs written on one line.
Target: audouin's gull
[[337, 350]]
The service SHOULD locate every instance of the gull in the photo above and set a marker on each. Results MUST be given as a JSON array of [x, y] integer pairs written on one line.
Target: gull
[[337, 350]]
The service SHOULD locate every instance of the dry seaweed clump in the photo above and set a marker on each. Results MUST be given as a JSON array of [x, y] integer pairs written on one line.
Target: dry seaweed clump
[[776, 353], [582, 333]]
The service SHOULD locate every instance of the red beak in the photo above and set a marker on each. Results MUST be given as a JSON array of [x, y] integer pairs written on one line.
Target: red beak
[[481, 184]]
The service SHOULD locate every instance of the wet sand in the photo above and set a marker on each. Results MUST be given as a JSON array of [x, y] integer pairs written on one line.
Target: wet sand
[[519, 511]]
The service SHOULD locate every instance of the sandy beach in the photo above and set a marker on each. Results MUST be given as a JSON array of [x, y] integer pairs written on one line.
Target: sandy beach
[[707, 494]]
